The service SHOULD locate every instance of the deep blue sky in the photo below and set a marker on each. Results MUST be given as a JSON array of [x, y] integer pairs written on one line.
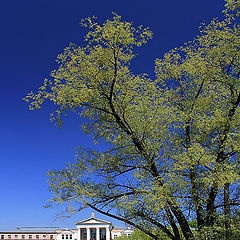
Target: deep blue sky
[[33, 32]]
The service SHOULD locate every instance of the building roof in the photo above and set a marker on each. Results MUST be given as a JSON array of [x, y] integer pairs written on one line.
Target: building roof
[[66, 230], [29, 230], [93, 220], [122, 229]]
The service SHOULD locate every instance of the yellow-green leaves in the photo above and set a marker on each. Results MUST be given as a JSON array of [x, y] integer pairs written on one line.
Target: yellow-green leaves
[[173, 142]]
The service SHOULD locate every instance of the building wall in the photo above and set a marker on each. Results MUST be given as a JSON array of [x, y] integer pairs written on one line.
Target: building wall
[[28, 235], [116, 234], [120, 232], [52, 233], [67, 235], [59, 235]]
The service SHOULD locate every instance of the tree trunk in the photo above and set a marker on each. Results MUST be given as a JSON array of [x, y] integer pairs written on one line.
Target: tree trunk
[[187, 232], [227, 212]]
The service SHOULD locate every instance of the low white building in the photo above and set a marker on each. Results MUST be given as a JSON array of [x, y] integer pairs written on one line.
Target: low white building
[[66, 234], [89, 229], [119, 231]]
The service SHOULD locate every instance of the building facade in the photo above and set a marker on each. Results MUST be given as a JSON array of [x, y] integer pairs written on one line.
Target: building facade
[[29, 234], [89, 229]]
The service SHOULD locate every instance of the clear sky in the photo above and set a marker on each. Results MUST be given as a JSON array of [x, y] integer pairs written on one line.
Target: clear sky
[[32, 33]]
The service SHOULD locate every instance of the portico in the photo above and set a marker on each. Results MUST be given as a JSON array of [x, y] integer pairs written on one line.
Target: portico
[[93, 229]]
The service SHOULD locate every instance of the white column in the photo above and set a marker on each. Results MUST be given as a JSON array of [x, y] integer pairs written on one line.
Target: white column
[[107, 234], [97, 233], [79, 234], [88, 233]]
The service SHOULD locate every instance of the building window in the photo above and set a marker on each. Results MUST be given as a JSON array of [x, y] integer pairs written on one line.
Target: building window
[[37, 236], [66, 236], [16, 236], [70, 236], [114, 236], [102, 234], [9, 236], [44, 236], [92, 233], [2, 236], [30, 237], [62, 236], [84, 234], [23, 236], [51, 236]]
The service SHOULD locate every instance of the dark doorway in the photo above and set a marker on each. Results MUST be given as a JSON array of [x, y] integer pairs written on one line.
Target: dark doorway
[[92, 233], [102, 234], [83, 234]]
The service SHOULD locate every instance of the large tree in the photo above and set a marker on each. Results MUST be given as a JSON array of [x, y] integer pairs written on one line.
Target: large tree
[[173, 142]]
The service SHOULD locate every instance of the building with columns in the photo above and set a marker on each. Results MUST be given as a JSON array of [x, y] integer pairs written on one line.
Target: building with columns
[[89, 229], [94, 229]]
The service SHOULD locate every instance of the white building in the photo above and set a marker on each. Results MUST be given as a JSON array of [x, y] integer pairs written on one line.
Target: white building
[[94, 228], [89, 229], [119, 231]]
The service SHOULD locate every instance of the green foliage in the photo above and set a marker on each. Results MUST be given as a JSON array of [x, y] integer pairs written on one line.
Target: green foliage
[[218, 230], [137, 235], [173, 142]]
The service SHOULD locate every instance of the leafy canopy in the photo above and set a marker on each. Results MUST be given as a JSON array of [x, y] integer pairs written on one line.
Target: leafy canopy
[[173, 141]]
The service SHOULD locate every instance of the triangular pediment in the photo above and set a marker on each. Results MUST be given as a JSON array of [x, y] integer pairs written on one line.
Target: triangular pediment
[[92, 220]]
